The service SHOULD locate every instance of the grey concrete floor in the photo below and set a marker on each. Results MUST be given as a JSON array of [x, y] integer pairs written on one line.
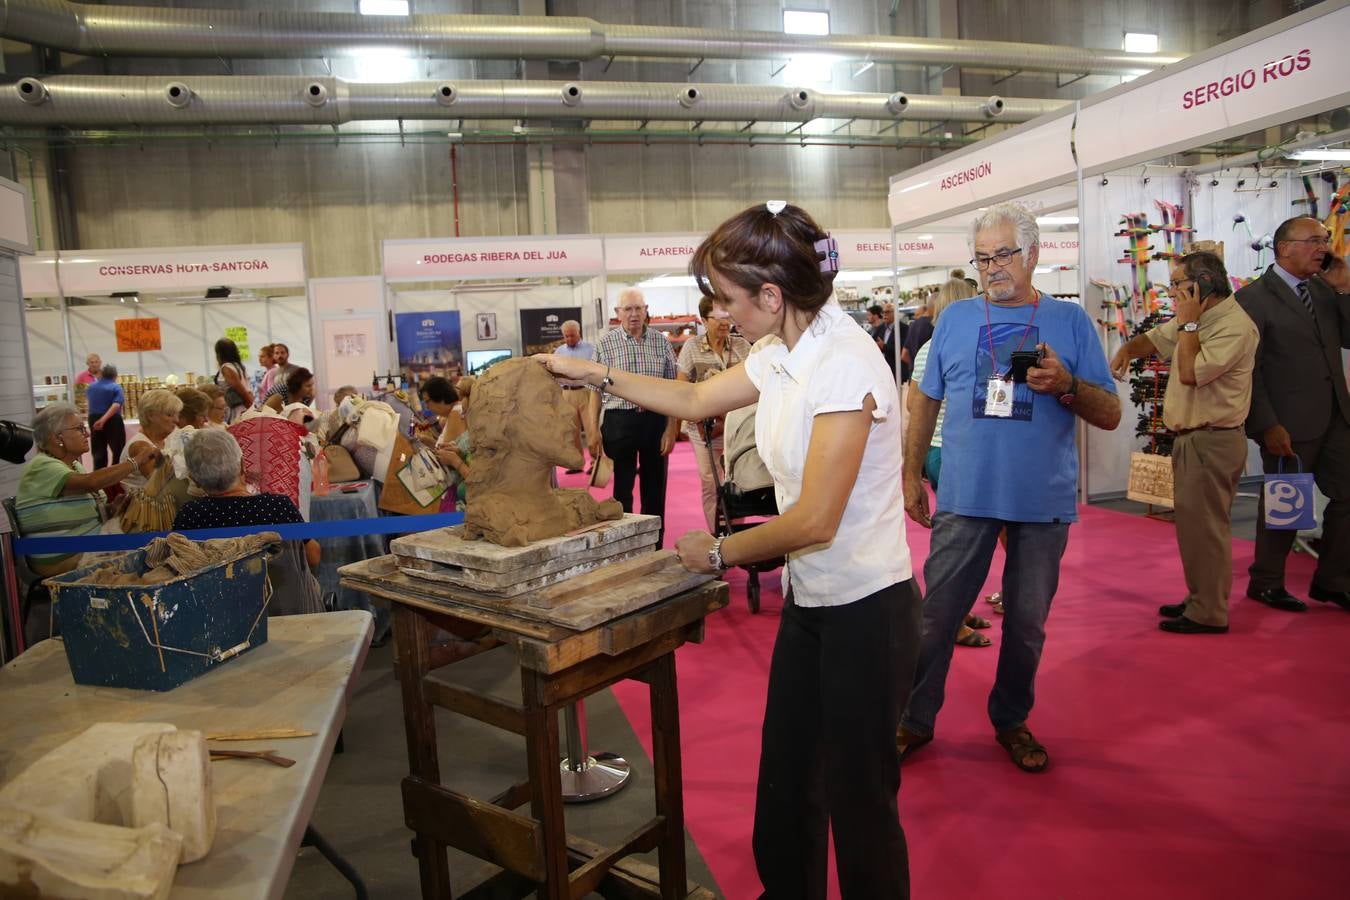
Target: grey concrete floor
[[360, 810]]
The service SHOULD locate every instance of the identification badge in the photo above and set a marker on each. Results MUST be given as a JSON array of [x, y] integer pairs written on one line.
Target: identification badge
[[998, 398]]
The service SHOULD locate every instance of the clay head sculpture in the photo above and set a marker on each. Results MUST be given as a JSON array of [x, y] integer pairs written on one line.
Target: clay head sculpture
[[520, 429]]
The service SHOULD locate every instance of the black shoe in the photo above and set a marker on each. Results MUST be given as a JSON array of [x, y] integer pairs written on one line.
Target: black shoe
[[1183, 625], [1279, 598], [1172, 610], [1340, 598]]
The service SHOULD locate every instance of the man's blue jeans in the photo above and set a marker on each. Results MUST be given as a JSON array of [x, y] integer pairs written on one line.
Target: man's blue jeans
[[958, 563]]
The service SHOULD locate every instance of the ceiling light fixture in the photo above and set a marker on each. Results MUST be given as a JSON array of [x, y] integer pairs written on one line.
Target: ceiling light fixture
[[1323, 154], [803, 21], [383, 7], [1141, 42]]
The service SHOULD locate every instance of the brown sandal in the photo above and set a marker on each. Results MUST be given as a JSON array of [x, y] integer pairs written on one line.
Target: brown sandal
[[969, 638], [1020, 745], [974, 621]]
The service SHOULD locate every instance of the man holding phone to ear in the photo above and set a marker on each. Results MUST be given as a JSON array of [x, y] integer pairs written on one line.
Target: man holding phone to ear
[[1300, 405], [1211, 344]]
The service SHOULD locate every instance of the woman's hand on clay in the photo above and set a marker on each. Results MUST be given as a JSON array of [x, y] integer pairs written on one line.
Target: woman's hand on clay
[[693, 548], [569, 368]]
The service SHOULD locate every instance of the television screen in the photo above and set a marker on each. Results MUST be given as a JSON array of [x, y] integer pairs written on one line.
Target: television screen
[[477, 361]]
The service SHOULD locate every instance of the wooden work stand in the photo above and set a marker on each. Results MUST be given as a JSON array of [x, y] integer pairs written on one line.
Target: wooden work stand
[[558, 666]]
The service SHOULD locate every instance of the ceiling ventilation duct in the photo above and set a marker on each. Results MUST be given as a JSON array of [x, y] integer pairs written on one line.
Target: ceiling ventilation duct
[[91, 100], [263, 33]]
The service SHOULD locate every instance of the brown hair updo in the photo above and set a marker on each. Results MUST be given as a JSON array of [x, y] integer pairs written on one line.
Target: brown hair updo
[[756, 247]]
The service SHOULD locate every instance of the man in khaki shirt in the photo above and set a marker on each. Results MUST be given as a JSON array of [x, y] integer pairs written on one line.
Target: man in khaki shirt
[[1211, 343]]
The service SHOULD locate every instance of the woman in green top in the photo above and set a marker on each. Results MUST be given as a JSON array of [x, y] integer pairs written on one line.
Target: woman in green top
[[56, 497]]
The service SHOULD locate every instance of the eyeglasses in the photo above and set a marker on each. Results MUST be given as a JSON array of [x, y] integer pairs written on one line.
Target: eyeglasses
[[1002, 258], [1322, 241], [1174, 285], [632, 309], [82, 429]]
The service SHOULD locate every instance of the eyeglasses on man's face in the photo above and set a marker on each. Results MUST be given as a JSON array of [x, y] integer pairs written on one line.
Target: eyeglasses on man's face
[[1318, 241], [1001, 259], [1176, 285], [630, 310]]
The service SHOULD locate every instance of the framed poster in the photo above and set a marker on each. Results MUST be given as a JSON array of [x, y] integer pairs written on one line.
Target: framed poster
[[429, 343], [487, 326], [541, 329]]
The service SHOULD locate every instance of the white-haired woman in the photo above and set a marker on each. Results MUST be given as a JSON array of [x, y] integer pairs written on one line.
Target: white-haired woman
[[158, 413], [56, 497], [953, 290], [216, 464]]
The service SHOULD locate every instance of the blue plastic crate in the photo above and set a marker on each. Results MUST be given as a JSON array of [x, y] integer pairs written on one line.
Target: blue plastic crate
[[155, 637]]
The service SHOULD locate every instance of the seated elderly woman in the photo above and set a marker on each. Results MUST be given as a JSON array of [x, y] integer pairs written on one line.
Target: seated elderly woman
[[56, 497], [158, 412], [297, 388], [220, 410], [215, 464], [196, 409]]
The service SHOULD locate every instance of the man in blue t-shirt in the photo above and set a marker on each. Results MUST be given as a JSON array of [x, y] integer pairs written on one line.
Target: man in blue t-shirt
[[107, 431], [1009, 461]]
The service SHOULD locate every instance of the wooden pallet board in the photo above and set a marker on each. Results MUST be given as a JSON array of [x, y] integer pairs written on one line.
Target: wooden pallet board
[[520, 581], [449, 547], [641, 584]]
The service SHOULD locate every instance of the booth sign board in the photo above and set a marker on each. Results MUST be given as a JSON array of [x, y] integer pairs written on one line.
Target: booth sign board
[[1277, 75], [1002, 168], [650, 252], [178, 268], [453, 259], [872, 249], [1059, 248], [38, 275], [16, 217], [137, 335]]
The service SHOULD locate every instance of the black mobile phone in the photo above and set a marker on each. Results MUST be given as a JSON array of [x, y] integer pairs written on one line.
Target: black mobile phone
[[1022, 360], [1328, 261]]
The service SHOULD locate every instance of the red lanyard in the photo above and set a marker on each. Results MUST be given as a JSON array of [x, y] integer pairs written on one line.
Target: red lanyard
[[989, 331]]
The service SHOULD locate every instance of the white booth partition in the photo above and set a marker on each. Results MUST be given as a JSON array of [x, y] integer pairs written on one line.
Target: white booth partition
[[169, 324], [657, 264], [1113, 151], [1284, 73], [351, 332]]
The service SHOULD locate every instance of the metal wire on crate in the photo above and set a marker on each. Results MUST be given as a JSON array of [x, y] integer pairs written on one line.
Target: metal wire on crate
[[216, 656]]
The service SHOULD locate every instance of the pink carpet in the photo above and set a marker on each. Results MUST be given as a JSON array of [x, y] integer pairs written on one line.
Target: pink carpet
[[1183, 766]]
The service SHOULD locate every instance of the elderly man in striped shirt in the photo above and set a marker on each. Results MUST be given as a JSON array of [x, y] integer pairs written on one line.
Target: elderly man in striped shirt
[[637, 440]]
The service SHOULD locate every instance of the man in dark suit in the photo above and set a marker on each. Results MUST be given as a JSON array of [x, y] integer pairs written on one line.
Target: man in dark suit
[[886, 335], [1300, 406]]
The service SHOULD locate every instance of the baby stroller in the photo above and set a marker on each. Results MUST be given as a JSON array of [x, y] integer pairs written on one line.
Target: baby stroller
[[748, 491]]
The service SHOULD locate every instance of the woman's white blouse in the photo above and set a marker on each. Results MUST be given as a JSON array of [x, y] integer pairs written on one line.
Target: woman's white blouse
[[833, 368]]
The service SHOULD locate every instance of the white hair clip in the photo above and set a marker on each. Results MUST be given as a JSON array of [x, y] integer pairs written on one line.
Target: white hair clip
[[776, 206]]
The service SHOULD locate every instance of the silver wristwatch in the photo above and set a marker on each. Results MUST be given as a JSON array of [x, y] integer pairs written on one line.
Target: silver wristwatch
[[715, 555], [1189, 327]]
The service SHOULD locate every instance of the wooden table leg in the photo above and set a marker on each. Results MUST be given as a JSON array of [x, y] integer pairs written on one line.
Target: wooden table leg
[[412, 638], [669, 784], [543, 753]]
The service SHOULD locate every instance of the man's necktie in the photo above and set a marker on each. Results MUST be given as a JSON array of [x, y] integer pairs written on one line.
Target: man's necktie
[[1306, 297]]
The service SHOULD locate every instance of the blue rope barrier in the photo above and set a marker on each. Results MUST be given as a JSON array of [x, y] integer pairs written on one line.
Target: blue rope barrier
[[92, 543]]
